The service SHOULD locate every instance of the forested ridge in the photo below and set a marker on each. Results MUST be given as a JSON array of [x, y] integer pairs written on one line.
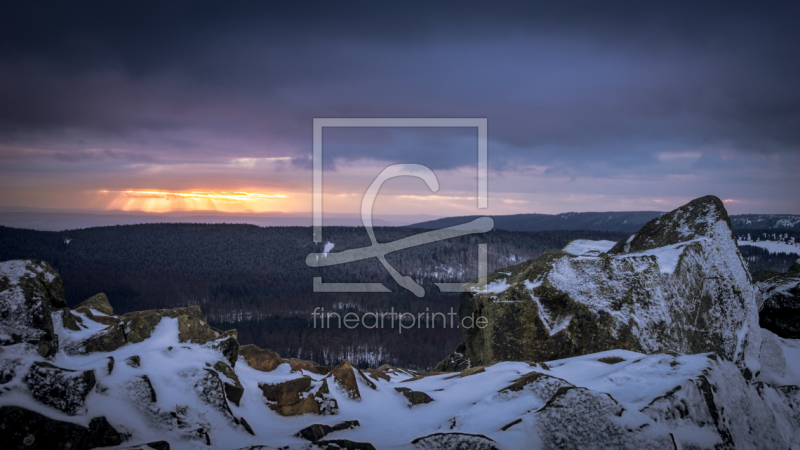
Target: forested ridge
[[255, 279]]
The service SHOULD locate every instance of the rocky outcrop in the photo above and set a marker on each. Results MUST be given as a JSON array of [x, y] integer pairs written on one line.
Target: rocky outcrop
[[679, 283], [63, 389], [24, 429], [29, 291], [455, 362], [780, 303]]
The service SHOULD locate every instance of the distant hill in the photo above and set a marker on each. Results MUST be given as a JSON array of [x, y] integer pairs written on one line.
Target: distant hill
[[602, 221], [627, 222]]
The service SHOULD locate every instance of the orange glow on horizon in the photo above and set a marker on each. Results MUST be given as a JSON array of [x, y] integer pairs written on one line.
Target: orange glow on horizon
[[166, 201]]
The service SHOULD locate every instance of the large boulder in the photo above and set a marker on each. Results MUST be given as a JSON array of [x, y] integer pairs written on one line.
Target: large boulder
[[780, 304], [260, 359], [29, 291], [291, 398], [679, 283], [139, 325], [63, 389]]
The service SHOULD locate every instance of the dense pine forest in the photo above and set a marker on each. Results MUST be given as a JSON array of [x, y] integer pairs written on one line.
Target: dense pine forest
[[255, 279]]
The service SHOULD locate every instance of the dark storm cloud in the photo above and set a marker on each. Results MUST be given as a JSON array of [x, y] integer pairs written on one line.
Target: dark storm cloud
[[577, 86]]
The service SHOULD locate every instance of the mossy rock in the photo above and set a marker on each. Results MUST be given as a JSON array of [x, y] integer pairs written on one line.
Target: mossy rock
[[140, 328], [193, 329], [414, 397], [107, 340], [679, 225], [98, 302], [795, 266], [24, 429], [291, 398], [260, 359]]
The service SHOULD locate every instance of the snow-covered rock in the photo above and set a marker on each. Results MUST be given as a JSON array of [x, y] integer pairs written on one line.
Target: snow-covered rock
[[779, 306], [678, 284], [29, 291], [168, 390]]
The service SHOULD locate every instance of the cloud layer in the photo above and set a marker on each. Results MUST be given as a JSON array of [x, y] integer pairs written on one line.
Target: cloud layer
[[631, 102]]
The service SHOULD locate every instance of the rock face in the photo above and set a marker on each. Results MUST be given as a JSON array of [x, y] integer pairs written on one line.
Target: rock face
[[29, 291], [780, 305], [679, 284]]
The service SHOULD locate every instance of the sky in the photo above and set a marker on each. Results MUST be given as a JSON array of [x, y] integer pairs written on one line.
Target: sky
[[591, 106]]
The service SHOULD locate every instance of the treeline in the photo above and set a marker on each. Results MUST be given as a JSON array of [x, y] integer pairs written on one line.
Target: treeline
[[255, 279]]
